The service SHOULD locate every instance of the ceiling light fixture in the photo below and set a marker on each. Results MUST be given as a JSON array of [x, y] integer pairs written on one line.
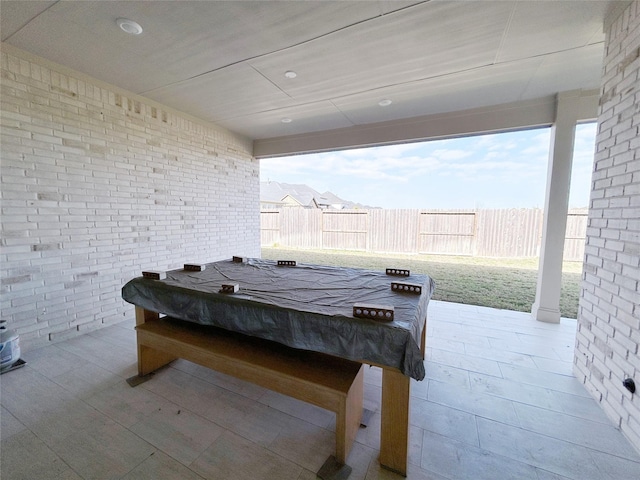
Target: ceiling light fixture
[[290, 74], [286, 120], [129, 26], [385, 102]]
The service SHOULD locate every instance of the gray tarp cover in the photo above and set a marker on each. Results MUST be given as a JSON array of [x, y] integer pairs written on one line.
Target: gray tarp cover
[[307, 306]]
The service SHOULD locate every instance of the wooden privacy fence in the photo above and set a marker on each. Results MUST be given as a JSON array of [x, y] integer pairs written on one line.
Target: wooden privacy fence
[[482, 233]]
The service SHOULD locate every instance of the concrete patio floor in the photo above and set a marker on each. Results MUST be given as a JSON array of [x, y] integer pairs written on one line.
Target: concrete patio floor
[[499, 402]]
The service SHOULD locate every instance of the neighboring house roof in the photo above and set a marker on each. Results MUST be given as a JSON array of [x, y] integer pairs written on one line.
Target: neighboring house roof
[[303, 200], [332, 200], [281, 194]]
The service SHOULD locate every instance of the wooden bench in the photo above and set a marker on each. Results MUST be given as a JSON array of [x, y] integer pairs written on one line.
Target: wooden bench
[[328, 382]]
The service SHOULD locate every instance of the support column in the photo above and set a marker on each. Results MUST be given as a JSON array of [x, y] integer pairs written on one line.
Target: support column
[[546, 307]]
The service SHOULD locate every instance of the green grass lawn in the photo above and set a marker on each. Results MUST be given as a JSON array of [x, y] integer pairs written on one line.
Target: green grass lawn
[[506, 283]]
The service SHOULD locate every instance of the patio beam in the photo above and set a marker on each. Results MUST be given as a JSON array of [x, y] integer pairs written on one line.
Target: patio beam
[[520, 115]]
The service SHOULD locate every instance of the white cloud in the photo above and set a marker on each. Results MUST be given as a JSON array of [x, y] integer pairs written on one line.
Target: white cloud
[[396, 164], [452, 154], [387, 163], [470, 166]]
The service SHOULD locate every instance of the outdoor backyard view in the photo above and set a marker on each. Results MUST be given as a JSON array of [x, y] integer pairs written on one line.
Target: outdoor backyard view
[[467, 212]]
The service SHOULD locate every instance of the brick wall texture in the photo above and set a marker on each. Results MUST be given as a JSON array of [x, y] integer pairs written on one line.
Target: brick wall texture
[[98, 185], [608, 333]]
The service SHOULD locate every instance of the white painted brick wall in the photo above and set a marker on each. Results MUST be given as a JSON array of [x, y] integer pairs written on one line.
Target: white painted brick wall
[[98, 185], [607, 343]]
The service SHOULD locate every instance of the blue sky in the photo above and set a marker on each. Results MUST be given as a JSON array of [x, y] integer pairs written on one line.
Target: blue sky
[[503, 170]]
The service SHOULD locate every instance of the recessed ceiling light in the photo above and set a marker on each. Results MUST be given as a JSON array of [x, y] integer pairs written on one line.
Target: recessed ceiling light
[[290, 74], [129, 26], [385, 102], [286, 120]]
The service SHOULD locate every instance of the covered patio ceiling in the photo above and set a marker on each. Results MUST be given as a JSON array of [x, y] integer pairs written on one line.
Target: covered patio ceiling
[[226, 62]]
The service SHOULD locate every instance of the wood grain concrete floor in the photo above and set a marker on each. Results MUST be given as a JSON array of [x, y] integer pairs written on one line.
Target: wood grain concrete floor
[[499, 402]]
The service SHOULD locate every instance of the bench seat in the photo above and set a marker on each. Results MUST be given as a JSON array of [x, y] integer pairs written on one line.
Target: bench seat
[[328, 382]]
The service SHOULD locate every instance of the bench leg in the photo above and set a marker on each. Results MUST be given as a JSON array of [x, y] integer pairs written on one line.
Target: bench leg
[[394, 432], [348, 419]]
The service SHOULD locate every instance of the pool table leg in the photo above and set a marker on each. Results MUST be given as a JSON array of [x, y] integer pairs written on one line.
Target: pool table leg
[[394, 433], [149, 359], [423, 340]]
